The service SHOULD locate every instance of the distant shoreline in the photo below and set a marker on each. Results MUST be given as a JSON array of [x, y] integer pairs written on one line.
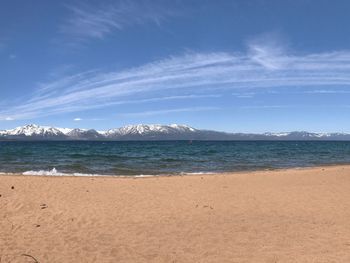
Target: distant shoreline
[[158, 132], [175, 140], [144, 176]]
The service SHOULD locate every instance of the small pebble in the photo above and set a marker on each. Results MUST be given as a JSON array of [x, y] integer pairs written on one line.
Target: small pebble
[[12, 187]]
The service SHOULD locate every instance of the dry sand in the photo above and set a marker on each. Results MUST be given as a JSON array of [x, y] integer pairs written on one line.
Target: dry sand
[[280, 216]]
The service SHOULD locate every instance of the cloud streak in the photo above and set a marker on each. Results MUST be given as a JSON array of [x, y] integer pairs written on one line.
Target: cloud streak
[[166, 111], [187, 76], [96, 22]]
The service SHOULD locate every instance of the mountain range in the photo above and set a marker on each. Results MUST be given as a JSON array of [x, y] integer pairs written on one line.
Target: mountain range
[[155, 132]]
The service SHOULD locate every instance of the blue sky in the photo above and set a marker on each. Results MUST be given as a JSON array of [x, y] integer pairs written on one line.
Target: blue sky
[[240, 66]]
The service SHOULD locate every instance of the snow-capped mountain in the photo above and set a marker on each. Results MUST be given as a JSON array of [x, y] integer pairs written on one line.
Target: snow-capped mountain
[[34, 131], [155, 132], [149, 130], [82, 134], [303, 135], [130, 132]]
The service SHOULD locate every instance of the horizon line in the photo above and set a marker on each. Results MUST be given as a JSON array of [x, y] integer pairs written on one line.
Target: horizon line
[[186, 125]]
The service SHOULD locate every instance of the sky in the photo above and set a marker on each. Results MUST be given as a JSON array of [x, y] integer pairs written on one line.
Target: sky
[[228, 65]]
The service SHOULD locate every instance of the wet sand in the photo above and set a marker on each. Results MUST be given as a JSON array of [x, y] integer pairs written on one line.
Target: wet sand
[[297, 215]]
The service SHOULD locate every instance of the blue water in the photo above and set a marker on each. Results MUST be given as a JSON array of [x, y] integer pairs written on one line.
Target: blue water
[[175, 157]]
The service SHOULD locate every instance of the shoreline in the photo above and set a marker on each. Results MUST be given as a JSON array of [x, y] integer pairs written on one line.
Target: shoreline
[[292, 215], [59, 174]]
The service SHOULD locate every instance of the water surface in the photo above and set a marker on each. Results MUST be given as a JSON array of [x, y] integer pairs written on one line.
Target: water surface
[[167, 157]]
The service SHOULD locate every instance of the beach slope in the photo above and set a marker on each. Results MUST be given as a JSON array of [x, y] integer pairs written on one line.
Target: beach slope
[[297, 215]]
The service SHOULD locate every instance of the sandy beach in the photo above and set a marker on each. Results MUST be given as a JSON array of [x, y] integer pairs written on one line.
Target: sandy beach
[[297, 215]]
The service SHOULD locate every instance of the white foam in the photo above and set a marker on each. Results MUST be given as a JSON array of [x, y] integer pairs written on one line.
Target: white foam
[[198, 173], [141, 175], [43, 172], [54, 172]]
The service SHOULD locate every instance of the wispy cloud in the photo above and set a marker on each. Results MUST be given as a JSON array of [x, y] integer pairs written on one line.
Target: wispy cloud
[[77, 119], [166, 111], [259, 107], [327, 91], [268, 50], [244, 95], [166, 98], [100, 20], [187, 76], [292, 106], [285, 92]]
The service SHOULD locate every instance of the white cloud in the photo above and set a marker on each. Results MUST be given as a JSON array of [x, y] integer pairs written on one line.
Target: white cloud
[[268, 50], [9, 119], [166, 111], [295, 106], [99, 20], [188, 76], [328, 91], [77, 119], [244, 95]]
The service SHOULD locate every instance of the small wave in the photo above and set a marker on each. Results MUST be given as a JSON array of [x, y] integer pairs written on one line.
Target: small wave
[[198, 173], [54, 172], [141, 175]]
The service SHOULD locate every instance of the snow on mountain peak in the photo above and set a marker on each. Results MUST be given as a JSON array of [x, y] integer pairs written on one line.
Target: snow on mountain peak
[[65, 131], [182, 127], [142, 129], [139, 129], [154, 132], [33, 129]]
